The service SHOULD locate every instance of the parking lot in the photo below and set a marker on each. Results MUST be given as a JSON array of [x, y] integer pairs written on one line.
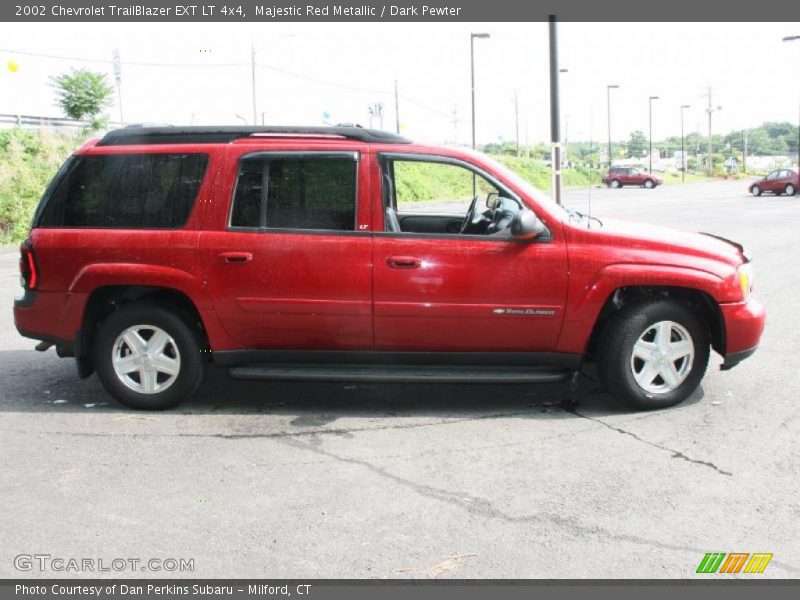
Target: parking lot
[[469, 481]]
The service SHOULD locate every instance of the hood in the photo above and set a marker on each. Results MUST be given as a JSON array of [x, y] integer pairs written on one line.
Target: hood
[[652, 237]]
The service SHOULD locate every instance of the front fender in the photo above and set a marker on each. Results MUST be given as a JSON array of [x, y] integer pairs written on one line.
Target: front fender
[[587, 300]]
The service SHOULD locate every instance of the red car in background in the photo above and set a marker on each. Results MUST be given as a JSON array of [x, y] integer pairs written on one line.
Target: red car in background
[[616, 177], [780, 181]]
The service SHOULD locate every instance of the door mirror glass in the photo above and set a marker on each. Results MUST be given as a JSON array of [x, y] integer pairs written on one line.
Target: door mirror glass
[[526, 225]]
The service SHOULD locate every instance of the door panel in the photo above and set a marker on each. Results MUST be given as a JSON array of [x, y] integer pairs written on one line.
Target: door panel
[[468, 294], [290, 263], [297, 291]]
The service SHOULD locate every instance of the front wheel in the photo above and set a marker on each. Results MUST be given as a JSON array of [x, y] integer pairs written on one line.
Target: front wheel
[[614, 183], [649, 184], [147, 357], [790, 190], [755, 190], [653, 354]]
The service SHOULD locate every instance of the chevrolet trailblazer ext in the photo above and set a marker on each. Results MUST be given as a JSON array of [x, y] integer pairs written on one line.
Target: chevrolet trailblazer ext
[[347, 254]]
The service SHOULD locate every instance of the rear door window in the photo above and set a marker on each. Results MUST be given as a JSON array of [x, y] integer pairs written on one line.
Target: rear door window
[[126, 191], [307, 192]]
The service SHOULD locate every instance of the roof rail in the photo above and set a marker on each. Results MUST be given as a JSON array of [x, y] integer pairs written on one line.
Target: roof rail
[[224, 134]]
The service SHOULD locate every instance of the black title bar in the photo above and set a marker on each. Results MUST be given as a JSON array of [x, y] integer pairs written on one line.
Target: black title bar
[[271, 11]]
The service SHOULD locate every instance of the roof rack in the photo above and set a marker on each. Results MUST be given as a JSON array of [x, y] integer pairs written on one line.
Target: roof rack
[[137, 134]]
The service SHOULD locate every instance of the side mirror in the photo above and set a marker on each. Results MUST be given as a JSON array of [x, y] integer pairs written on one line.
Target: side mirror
[[492, 200], [526, 225]]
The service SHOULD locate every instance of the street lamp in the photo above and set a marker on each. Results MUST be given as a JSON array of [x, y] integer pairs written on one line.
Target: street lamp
[[650, 151], [608, 101], [472, 37], [792, 38], [683, 151]]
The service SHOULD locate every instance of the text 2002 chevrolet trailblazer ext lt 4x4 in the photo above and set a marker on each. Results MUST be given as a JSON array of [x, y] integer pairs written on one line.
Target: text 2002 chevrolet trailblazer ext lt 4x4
[[347, 254]]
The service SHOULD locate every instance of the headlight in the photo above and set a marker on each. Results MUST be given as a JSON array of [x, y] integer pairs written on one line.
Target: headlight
[[745, 276]]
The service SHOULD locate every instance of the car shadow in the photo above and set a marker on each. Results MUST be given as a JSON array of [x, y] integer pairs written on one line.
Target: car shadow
[[46, 384]]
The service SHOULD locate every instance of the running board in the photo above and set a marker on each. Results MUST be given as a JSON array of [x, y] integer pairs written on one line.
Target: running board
[[400, 373]]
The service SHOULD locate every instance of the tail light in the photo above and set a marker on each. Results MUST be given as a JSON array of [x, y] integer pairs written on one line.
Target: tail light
[[29, 276]]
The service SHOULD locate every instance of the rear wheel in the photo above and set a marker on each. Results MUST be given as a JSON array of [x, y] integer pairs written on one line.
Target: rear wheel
[[653, 354], [755, 190], [649, 184], [614, 183], [147, 357], [790, 190]]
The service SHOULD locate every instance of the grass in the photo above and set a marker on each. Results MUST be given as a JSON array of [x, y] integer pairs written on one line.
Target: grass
[[27, 163]]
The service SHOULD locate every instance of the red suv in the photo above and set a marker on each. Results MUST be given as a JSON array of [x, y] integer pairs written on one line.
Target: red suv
[[347, 254], [782, 181], [616, 177]]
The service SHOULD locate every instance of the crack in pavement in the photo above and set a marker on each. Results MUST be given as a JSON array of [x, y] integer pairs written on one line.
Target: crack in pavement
[[277, 434], [675, 453], [485, 508]]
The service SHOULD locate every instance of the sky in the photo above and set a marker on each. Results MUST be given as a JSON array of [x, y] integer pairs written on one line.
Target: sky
[[308, 73]]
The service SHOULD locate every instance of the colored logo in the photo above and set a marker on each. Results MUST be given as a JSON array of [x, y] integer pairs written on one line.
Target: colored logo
[[734, 562]]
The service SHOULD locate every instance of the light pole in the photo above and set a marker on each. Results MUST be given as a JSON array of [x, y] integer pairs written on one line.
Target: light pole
[[608, 102], [565, 154], [555, 109], [792, 38], [683, 151], [472, 37], [650, 151], [710, 111], [253, 71]]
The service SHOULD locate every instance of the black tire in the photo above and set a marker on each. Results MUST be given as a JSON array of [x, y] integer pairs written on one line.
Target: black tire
[[649, 184], [615, 183], [755, 190], [615, 352], [790, 190], [191, 370]]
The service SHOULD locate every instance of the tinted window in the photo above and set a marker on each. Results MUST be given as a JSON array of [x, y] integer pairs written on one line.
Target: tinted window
[[150, 191], [296, 193]]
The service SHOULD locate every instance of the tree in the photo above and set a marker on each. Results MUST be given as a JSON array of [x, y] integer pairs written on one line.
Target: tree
[[637, 145], [83, 94]]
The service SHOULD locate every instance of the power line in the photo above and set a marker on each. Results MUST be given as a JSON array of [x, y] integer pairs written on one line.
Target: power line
[[239, 64]]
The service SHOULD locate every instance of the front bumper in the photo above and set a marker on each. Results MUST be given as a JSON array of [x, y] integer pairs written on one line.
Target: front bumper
[[744, 324]]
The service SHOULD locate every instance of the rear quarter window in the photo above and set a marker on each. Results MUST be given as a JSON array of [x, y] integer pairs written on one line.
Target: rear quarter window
[[126, 191]]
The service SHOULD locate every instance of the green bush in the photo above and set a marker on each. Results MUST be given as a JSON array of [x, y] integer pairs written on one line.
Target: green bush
[[28, 161]]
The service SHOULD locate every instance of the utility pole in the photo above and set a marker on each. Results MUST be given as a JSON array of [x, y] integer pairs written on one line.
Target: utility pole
[[118, 78], [396, 108], [455, 121], [555, 116], [516, 120], [744, 151], [650, 118], [710, 110], [608, 103], [253, 77], [472, 36], [683, 150]]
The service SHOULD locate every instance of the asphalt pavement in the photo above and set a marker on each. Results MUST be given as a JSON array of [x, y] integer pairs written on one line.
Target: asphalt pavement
[[379, 481]]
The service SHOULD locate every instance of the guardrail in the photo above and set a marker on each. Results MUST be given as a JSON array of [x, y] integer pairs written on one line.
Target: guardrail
[[39, 122]]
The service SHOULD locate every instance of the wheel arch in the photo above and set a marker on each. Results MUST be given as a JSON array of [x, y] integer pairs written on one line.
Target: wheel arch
[[696, 299], [105, 300]]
